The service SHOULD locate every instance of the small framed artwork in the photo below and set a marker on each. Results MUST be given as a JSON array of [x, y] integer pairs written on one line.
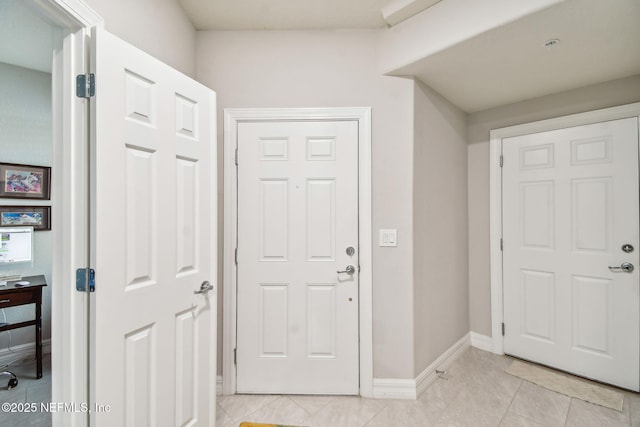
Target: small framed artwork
[[39, 217], [25, 181]]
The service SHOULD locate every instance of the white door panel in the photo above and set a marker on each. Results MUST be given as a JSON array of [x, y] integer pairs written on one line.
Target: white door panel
[[297, 214], [153, 339], [570, 202]]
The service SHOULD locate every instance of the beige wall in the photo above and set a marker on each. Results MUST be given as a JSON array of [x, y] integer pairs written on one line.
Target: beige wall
[[441, 289], [26, 136], [159, 27], [336, 69], [429, 289], [617, 92]]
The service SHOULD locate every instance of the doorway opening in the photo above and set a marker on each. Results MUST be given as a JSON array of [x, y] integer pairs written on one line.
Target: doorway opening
[[27, 144], [42, 125]]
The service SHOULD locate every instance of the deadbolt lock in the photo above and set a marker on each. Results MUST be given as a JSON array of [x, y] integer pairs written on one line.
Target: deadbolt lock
[[627, 248]]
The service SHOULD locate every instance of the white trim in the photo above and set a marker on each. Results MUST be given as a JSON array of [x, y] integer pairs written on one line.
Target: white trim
[[215, 382], [482, 342], [71, 14], [495, 234], [69, 358], [231, 119], [218, 385], [429, 375], [400, 10], [389, 388], [228, 256], [21, 352], [495, 179], [68, 308]]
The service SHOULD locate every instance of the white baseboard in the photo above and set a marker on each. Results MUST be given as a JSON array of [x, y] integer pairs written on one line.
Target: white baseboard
[[389, 388], [482, 342], [219, 385], [392, 388], [428, 376], [23, 351]]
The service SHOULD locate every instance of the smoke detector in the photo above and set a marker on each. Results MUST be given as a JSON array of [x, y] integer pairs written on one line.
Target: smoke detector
[[551, 42]]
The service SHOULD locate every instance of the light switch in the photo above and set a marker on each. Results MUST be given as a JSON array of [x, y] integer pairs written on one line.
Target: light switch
[[388, 237]]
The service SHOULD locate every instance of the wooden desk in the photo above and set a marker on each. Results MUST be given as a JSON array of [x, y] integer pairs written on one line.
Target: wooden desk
[[12, 296]]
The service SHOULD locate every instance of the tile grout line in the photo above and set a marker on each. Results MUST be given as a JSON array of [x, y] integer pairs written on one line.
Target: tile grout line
[[263, 406], [377, 414], [511, 402], [627, 403], [566, 419], [304, 409], [332, 398], [221, 409]]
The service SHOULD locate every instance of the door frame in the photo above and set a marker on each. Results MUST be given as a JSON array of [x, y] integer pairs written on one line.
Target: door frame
[[69, 315], [232, 118], [495, 194]]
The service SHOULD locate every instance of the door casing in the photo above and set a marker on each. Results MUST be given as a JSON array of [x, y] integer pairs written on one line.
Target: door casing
[[69, 317], [495, 189], [232, 117]]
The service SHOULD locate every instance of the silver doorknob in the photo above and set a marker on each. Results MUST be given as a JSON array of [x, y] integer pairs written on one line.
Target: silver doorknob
[[349, 270], [204, 288], [625, 266]]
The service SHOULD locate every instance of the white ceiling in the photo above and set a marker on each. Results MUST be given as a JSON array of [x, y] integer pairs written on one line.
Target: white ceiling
[[599, 41]]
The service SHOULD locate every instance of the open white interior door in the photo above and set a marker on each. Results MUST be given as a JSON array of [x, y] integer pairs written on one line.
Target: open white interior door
[[153, 244]]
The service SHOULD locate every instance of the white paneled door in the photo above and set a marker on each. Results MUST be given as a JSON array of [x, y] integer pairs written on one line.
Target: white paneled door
[[153, 337], [297, 278], [570, 218]]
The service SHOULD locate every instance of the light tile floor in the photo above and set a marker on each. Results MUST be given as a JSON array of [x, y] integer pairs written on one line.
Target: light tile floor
[[29, 390], [477, 392]]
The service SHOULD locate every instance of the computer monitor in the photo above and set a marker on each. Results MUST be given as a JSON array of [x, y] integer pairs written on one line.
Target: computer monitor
[[16, 245]]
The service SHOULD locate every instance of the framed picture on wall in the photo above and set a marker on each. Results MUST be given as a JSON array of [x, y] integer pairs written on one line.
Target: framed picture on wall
[[39, 217], [25, 181]]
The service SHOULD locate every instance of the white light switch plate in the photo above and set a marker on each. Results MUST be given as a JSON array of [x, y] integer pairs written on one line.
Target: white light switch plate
[[388, 237]]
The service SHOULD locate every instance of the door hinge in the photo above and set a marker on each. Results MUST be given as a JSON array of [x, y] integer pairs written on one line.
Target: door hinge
[[502, 328], [84, 277], [85, 85], [501, 160], [236, 256], [235, 356], [501, 244], [236, 156]]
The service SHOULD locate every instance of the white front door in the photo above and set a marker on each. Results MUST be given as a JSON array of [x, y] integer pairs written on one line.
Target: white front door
[[297, 316], [153, 215], [570, 220]]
